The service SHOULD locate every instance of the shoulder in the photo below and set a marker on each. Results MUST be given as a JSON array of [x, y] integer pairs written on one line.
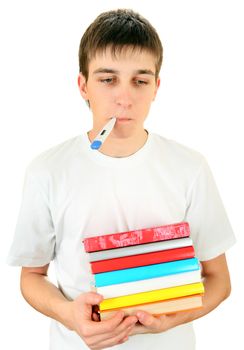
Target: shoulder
[[177, 155], [54, 158]]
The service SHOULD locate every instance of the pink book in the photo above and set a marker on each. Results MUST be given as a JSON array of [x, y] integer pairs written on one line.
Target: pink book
[[147, 235]]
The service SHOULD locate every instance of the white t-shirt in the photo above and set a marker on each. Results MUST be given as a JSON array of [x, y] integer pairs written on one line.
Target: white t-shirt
[[71, 192]]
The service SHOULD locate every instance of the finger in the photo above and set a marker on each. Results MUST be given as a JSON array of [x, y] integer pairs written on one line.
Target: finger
[[138, 329], [118, 322], [90, 298], [123, 340], [128, 321], [148, 320], [95, 308], [102, 328], [111, 341], [84, 304], [95, 317], [121, 329]]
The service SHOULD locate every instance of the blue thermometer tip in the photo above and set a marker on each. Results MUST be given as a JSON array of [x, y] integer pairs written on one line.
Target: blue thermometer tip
[[96, 144]]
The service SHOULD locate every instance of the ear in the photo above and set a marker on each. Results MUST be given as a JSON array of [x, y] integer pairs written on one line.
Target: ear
[[156, 88], [82, 86]]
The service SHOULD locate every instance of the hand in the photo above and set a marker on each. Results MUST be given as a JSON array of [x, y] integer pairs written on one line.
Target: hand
[[98, 335], [148, 323]]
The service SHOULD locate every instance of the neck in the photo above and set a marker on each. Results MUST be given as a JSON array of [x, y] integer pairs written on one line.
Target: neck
[[118, 147]]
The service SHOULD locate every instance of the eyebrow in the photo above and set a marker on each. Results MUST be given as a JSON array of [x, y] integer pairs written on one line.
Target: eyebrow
[[114, 71]]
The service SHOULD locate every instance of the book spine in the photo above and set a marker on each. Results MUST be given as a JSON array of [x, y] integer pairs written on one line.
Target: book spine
[[140, 249], [162, 307], [152, 296], [146, 272], [142, 259], [113, 291], [123, 239]]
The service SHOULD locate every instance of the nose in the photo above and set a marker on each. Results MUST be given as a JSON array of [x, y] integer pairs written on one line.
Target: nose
[[123, 97]]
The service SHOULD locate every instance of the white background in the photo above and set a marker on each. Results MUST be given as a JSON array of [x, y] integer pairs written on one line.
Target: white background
[[200, 104]]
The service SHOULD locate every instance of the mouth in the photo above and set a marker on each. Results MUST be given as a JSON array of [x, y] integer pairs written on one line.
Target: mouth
[[123, 120]]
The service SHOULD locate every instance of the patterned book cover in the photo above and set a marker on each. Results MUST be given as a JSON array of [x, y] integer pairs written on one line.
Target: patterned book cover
[[146, 235], [140, 249]]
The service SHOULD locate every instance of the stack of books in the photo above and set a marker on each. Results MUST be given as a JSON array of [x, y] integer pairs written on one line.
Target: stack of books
[[153, 269]]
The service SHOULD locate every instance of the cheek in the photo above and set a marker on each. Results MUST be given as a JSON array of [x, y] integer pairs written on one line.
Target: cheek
[[100, 93], [146, 93], [145, 99], [100, 101], [143, 107]]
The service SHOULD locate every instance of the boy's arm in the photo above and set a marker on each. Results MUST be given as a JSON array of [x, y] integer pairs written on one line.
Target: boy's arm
[[76, 315], [217, 288]]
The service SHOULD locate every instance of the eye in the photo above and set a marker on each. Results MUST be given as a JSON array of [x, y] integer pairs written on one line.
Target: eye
[[107, 80], [140, 82]]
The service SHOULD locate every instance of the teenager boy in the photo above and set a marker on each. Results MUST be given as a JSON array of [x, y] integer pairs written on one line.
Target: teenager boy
[[136, 180]]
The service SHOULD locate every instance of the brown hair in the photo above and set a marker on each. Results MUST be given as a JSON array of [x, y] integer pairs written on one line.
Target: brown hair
[[118, 29]]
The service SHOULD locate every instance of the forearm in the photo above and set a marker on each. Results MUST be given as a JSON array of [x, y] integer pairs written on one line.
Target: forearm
[[217, 285], [45, 297], [216, 291]]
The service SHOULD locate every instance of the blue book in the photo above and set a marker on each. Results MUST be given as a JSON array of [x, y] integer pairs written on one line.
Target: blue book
[[146, 272]]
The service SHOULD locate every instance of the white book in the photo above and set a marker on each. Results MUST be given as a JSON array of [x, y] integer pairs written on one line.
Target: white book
[[120, 289], [140, 249]]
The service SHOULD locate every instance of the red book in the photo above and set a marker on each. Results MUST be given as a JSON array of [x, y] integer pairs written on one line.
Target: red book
[[147, 235], [142, 259]]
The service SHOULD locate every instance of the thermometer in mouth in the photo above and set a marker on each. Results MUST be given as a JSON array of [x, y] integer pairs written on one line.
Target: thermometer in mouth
[[103, 134]]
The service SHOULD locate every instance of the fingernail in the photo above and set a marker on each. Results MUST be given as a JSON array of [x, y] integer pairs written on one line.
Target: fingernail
[[123, 340]]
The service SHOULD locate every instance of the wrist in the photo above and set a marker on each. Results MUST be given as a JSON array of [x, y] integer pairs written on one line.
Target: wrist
[[183, 317], [62, 311]]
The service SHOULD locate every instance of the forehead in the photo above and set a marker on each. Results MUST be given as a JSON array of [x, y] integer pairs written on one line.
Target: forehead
[[124, 60]]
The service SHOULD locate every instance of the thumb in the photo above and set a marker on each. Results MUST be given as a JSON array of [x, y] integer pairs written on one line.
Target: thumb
[[147, 319], [91, 298], [85, 302]]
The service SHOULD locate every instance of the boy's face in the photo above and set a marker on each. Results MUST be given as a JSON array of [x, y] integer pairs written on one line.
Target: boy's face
[[123, 86]]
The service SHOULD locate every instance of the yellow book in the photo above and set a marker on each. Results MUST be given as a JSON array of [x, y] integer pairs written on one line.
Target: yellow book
[[152, 296], [191, 302]]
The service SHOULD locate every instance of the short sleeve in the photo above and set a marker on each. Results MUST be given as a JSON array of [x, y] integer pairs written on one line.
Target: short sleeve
[[34, 239], [210, 228]]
